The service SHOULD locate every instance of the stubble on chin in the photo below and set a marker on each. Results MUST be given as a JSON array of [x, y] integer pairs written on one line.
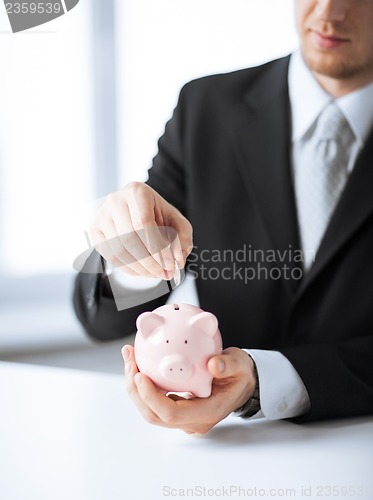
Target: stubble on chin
[[325, 66], [337, 67]]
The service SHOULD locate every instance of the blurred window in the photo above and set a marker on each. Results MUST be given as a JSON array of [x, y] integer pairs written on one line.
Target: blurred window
[[57, 154], [162, 44]]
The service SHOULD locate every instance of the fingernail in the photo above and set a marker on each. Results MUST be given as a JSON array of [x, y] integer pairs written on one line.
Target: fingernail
[[185, 256], [138, 379], [168, 264], [221, 366], [177, 277], [125, 354]]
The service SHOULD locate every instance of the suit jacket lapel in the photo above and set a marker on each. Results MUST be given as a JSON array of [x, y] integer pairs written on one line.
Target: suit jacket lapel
[[354, 207], [262, 143], [261, 138]]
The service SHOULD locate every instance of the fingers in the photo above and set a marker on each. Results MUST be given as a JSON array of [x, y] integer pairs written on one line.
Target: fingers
[[129, 253], [183, 244], [192, 415], [137, 230], [130, 371], [135, 223], [233, 385], [140, 388], [158, 409], [134, 243], [143, 205], [148, 212], [121, 241]]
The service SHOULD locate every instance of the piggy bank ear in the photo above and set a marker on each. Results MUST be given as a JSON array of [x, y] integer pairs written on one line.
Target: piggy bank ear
[[147, 322], [206, 322]]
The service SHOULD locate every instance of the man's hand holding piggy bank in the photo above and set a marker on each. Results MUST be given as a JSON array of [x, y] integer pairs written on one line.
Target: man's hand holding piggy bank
[[178, 349]]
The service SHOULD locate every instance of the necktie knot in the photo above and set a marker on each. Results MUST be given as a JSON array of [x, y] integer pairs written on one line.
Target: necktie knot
[[332, 124]]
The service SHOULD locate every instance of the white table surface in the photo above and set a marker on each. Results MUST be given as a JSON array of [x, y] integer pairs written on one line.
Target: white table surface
[[71, 435]]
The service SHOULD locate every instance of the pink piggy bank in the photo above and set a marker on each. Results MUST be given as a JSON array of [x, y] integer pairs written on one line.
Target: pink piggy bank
[[172, 346]]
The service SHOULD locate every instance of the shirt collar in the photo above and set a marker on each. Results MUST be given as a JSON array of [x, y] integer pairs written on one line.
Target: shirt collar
[[308, 99], [357, 107]]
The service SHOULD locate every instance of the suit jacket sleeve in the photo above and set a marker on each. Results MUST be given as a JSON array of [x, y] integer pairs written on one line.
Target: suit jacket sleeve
[[338, 377]]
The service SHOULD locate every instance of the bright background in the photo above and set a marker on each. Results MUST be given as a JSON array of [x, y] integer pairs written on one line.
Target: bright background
[[83, 100]]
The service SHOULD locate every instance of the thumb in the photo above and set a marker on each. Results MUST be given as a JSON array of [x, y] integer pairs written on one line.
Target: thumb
[[184, 243], [231, 363]]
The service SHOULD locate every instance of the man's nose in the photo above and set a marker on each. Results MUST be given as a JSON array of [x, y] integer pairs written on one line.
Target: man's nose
[[331, 10]]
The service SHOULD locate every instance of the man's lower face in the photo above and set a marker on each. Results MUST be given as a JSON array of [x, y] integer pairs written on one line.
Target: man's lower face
[[336, 48]]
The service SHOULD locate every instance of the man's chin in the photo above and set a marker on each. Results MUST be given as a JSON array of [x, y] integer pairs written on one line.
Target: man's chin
[[329, 66]]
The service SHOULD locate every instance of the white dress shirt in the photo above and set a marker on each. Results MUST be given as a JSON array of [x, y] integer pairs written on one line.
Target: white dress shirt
[[282, 392]]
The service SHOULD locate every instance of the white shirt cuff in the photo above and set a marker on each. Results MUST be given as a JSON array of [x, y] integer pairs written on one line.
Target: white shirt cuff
[[282, 392]]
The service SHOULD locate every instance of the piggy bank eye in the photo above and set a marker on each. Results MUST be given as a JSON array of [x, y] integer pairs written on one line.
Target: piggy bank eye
[[167, 341], [185, 341]]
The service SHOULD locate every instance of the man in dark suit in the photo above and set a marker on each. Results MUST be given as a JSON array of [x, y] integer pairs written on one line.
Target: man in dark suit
[[272, 169]]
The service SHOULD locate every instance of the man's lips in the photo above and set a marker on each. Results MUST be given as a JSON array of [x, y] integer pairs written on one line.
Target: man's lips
[[328, 42]]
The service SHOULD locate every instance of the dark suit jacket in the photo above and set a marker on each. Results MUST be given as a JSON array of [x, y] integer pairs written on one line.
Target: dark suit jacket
[[224, 162]]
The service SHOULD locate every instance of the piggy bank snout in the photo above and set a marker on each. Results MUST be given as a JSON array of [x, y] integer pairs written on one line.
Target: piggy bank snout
[[176, 367]]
